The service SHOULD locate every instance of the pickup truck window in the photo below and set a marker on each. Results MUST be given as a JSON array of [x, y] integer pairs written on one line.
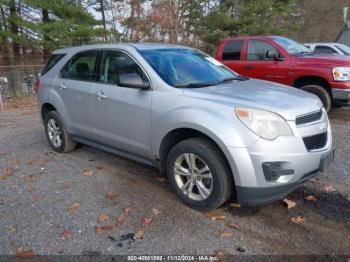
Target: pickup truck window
[[324, 50], [232, 50], [257, 50]]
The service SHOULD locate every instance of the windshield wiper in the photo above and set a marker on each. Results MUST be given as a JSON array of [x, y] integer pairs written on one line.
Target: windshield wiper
[[230, 79], [195, 85]]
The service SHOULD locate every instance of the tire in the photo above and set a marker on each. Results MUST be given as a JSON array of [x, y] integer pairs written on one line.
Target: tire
[[205, 153], [322, 94], [54, 128]]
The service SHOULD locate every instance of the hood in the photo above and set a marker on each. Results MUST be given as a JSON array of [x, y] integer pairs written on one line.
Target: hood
[[328, 59], [284, 100]]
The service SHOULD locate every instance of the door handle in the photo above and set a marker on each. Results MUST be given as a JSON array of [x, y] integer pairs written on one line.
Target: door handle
[[101, 95], [63, 86], [249, 67]]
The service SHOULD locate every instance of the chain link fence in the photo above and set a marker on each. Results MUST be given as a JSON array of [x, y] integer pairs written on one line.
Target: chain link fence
[[17, 79]]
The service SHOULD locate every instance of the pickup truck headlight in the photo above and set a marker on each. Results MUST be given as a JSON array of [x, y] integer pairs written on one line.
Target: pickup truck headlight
[[263, 123], [341, 73]]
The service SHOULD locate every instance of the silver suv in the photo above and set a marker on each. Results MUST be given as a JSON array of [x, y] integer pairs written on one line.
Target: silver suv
[[215, 134]]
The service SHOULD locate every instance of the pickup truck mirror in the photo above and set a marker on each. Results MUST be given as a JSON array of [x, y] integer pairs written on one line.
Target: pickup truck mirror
[[272, 54], [133, 80]]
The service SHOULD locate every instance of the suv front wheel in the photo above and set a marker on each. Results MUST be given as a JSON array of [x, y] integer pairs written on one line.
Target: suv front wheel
[[57, 134], [199, 174], [322, 94]]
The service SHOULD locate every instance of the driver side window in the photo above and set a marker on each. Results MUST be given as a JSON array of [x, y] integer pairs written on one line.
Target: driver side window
[[116, 64], [257, 50]]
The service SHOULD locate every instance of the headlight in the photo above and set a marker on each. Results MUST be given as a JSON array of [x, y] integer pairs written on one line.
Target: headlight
[[341, 73], [265, 124]]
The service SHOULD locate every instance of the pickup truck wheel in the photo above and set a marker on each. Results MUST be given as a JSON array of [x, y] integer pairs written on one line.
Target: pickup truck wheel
[[199, 174], [57, 134], [322, 93]]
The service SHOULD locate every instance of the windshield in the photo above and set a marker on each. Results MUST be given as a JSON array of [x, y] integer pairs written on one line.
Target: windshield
[[291, 46], [345, 49], [187, 68]]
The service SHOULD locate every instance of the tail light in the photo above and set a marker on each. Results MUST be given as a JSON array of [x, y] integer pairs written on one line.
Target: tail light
[[37, 86]]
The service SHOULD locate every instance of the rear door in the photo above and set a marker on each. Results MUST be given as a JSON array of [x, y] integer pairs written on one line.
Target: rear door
[[122, 115], [232, 55], [257, 65], [75, 86]]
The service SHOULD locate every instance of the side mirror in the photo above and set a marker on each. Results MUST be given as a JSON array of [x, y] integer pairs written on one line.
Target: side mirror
[[133, 80], [272, 54]]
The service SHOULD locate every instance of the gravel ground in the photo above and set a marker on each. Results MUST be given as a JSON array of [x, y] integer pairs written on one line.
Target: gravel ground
[[50, 206]]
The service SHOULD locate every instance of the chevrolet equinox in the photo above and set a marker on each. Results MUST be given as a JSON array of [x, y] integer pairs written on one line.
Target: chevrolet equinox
[[214, 133]]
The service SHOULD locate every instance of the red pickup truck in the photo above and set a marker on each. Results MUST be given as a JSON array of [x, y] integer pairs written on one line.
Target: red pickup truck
[[283, 60]]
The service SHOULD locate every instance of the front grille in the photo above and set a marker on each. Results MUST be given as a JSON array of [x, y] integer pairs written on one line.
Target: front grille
[[315, 142], [312, 117]]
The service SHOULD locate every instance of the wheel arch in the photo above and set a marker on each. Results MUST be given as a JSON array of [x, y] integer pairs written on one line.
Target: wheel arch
[[177, 135], [309, 80], [46, 108]]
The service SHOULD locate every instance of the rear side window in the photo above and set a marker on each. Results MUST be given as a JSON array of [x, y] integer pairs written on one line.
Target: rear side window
[[232, 50], [324, 50], [53, 60], [81, 66]]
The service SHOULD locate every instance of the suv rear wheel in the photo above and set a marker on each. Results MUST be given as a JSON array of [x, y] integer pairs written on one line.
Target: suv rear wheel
[[199, 174], [322, 93], [57, 134]]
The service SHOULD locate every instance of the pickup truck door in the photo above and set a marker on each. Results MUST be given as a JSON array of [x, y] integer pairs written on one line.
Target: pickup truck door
[[257, 65], [122, 115]]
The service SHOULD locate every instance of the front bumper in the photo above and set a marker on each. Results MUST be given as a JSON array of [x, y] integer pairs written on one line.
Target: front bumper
[[341, 90], [341, 94], [295, 164]]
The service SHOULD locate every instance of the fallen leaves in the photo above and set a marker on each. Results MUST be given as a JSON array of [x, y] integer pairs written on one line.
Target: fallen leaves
[[232, 225], [11, 229], [88, 173], [329, 189], [155, 212], [103, 229], [127, 210], [226, 234], [73, 208], [311, 198], [98, 167], [2, 152], [215, 216], [7, 171], [24, 253], [138, 235], [119, 221], [66, 234], [36, 198], [36, 162], [235, 205], [111, 195], [147, 221], [298, 220], [290, 204], [102, 218], [220, 255]]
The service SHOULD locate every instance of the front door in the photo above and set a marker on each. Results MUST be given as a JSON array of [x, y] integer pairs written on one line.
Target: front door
[[122, 115], [257, 65]]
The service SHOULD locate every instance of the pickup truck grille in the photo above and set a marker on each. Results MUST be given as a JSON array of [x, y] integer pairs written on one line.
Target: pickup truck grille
[[315, 142], [312, 117]]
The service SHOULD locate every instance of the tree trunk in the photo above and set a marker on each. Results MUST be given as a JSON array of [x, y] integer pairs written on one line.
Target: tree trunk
[[46, 19], [15, 75]]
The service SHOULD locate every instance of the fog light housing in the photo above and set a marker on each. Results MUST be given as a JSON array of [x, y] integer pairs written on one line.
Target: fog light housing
[[274, 170]]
